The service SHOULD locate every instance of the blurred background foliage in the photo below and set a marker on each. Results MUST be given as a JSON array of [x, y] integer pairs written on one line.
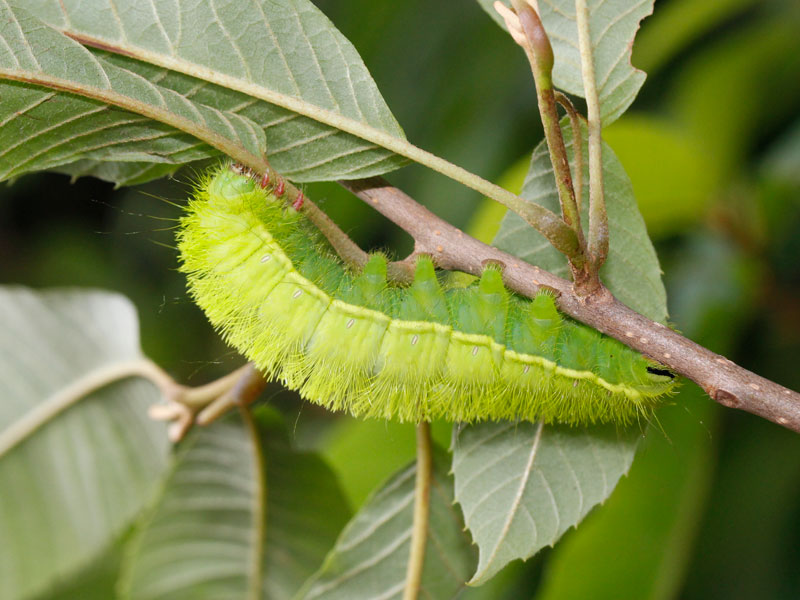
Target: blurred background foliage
[[712, 506]]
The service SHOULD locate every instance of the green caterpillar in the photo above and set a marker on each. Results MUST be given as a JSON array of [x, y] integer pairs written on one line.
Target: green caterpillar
[[354, 342]]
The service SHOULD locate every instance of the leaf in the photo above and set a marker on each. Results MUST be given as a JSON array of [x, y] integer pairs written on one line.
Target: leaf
[[41, 129], [206, 536], [98, 581], [294, 73], [522, 485], [633, 274], [370, 557], [641, 544], [75, 468], [121, 173], [37, 54], [632, 271], [612, 27]]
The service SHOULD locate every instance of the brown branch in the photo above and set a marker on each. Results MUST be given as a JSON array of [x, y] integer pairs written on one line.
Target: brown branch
[[452, 249]]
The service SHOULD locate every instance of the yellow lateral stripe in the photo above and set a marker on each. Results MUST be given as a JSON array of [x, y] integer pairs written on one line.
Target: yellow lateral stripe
[[477, 339], [354, 310], [426, 326]]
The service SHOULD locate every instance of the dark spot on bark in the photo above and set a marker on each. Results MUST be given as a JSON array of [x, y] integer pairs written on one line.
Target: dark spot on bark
[[726, 398]]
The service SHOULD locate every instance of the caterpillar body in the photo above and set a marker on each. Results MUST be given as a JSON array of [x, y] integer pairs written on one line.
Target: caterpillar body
[[352, 341]]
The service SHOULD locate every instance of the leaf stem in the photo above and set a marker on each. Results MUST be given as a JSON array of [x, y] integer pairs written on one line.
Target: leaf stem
[[260, 505], [185, 406], [598, 220], [540, 55], [422, 505], [577, 146]]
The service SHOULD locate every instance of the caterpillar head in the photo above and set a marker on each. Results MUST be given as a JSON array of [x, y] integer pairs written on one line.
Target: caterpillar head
[[653, 376]]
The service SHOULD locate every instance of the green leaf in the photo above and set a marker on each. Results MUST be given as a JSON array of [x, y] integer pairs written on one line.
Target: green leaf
[[612, 27], [370, 558], [296, 75], [632, 271], [291, 51], [640, 544], [124, 173], [43, 129], [78, 455], [241, 516], [633, 274], [98, 581], [327, 120], [522, 485]]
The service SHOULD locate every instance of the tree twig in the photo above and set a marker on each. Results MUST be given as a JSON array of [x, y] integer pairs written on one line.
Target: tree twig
[[452, 249], [422, 506], [246, 388], [540, 55], [527, 30]]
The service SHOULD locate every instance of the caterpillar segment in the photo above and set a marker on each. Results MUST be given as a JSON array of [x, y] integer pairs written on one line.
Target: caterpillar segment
[[356, 342]]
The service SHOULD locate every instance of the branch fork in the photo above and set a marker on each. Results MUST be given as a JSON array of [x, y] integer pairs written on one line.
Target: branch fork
[[526, 29], [185, 406]]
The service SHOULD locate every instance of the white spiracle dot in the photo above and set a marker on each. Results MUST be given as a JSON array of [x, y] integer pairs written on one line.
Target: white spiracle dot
[[414, 340], [474, 351], [266, 258], [297, 294], [350, 323]]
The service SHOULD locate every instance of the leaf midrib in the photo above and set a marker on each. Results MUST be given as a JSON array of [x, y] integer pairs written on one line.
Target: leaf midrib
[[109, 96], [66, 396], [512, 513]]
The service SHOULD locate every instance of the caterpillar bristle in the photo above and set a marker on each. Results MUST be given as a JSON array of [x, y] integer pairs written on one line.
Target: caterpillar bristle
[[355, 342]]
